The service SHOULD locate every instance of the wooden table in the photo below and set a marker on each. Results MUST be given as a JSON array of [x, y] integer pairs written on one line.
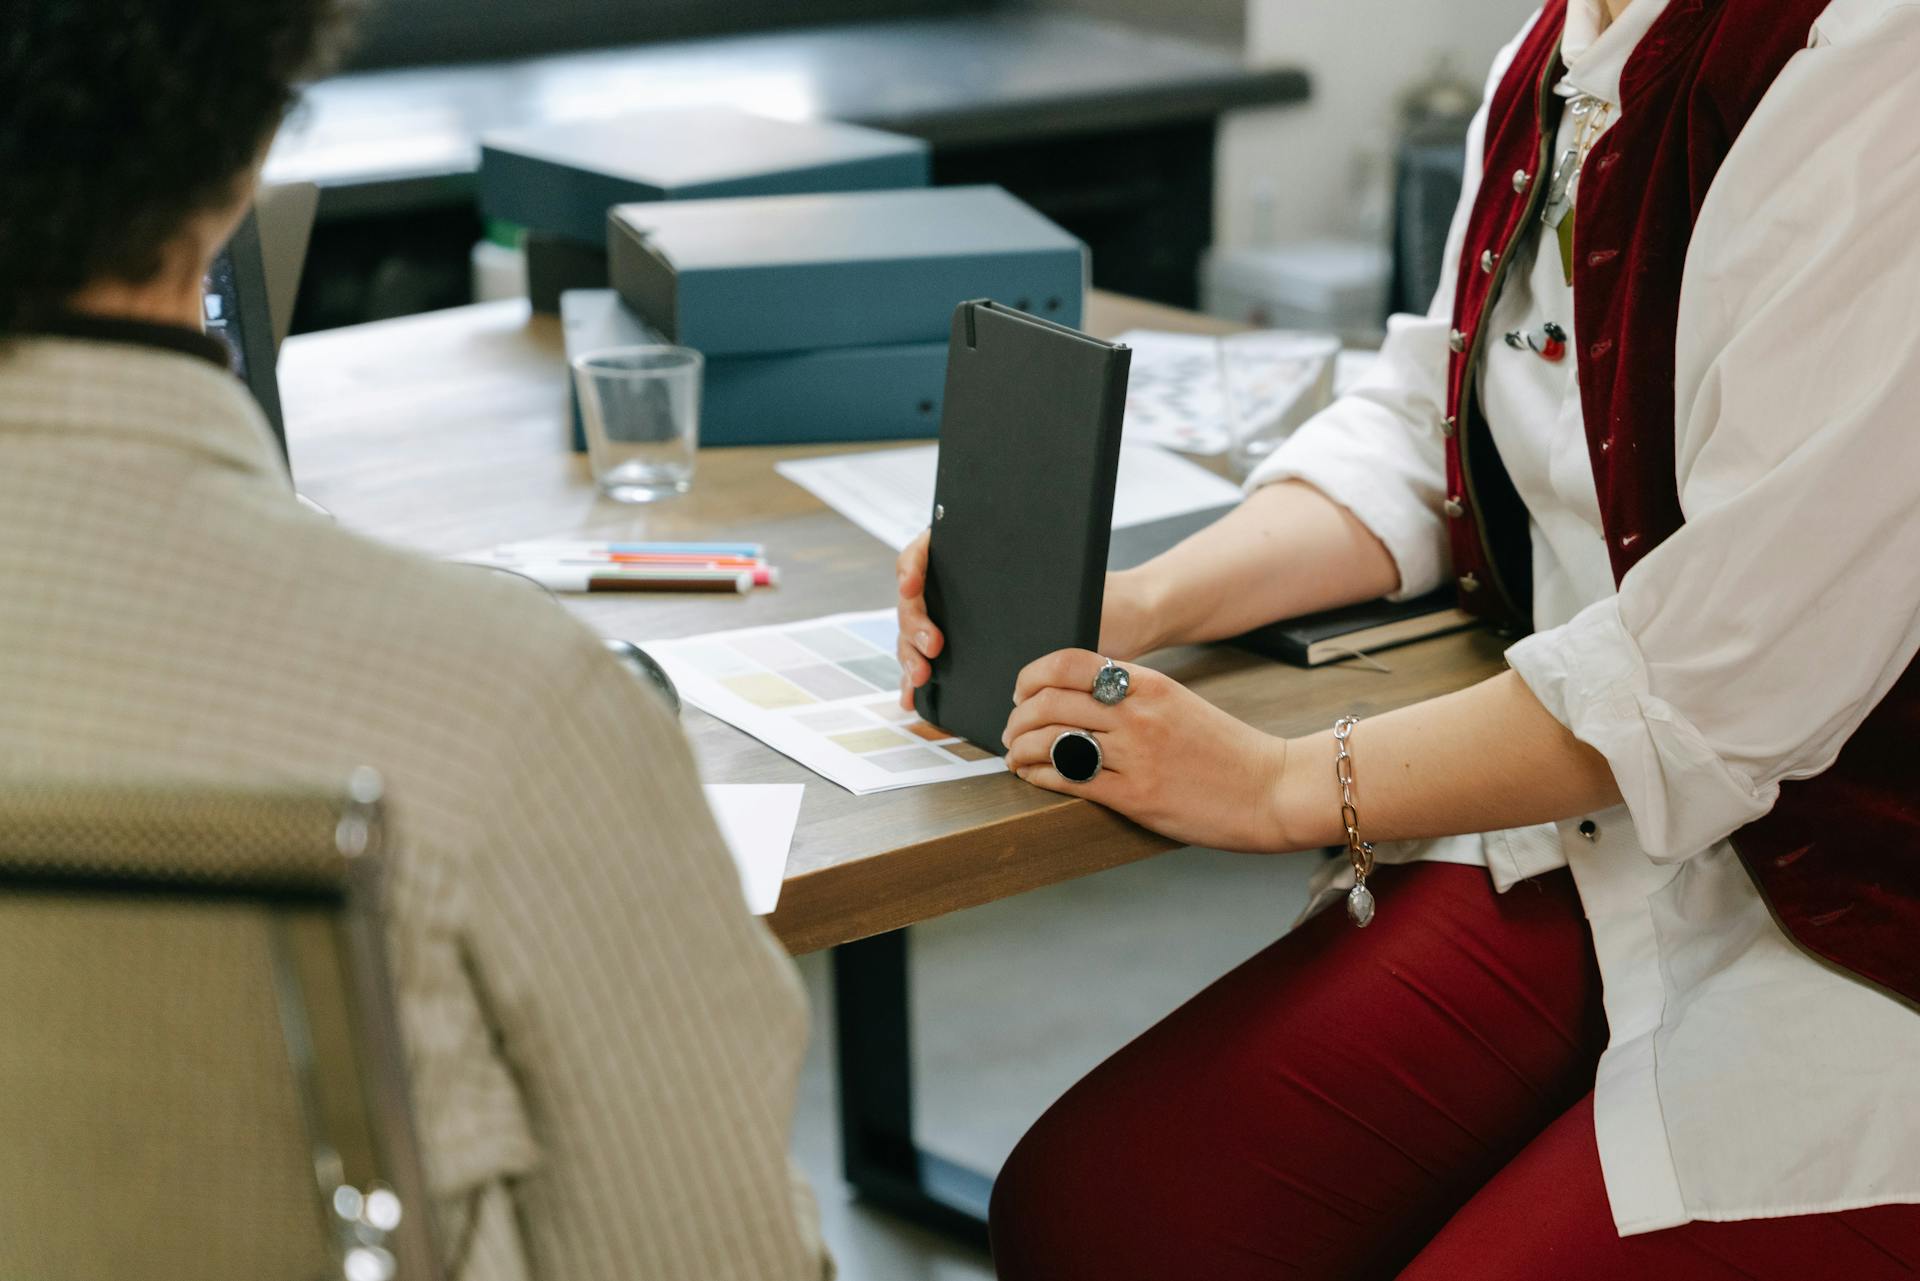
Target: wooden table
[[447, 432]]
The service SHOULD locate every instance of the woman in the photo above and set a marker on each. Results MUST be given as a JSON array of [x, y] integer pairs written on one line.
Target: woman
[[1673, 438]]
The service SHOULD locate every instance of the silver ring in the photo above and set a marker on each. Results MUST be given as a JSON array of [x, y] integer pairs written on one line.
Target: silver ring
[[1111, 684], [1073, 764]]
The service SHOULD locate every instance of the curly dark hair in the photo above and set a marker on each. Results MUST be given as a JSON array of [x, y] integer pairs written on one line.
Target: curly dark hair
[[123, 120]]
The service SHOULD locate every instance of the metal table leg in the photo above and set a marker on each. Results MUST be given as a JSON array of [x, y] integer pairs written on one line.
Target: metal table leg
[[873, 1040]]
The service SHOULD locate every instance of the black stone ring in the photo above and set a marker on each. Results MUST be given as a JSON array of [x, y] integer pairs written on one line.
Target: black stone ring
[[1076, 754], [1111, 684]]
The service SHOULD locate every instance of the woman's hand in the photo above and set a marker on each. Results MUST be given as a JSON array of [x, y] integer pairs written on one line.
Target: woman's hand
[[920, 641], [1126, 620], [1171, 761]]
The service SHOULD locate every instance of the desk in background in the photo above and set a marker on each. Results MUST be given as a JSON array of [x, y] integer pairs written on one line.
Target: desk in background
[[1107, 130], [447, 432]]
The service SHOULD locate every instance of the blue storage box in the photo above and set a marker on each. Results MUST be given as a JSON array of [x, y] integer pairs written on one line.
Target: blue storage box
[[835, 394], [563, 178], [857, 269]]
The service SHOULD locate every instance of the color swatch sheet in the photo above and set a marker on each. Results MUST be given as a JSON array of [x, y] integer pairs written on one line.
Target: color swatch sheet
[[826, 693]]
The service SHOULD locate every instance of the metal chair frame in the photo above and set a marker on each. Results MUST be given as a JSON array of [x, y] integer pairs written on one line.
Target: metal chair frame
[[89, 840]]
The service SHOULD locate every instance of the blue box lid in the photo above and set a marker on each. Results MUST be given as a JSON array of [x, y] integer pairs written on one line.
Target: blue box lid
[[789, 273], [563, 178]]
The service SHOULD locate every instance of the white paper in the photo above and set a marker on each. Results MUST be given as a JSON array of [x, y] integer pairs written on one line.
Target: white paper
[[757, 821], [1177, 385], [824, 692], [1155, 484], [889, 492]]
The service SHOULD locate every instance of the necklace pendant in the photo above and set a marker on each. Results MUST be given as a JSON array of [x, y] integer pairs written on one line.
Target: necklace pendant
[[1549, 342], [1360, 905], [1553, 343]]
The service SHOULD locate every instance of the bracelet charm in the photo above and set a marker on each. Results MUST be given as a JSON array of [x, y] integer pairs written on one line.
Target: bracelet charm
[[1360, 903]]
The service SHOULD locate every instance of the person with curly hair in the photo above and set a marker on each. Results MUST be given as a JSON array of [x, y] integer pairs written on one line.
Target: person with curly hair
[[603, 1045]]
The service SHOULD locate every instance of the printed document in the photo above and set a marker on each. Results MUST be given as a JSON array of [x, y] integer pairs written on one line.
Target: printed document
[[889, 492]]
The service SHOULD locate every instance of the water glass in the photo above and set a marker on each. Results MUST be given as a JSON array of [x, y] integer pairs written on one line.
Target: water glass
[[641, 410]]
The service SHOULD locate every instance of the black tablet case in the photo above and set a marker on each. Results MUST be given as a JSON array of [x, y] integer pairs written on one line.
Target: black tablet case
[[1023, 506]]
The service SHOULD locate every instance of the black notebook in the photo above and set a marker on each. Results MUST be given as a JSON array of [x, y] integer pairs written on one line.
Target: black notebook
[[1023, 505], [1357, 629]]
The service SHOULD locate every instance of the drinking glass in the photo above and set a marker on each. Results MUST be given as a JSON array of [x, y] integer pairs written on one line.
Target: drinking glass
[[641, 410]]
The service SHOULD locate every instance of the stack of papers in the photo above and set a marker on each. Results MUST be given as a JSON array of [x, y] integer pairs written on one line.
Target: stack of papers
[[889, 493], [1192, 392]]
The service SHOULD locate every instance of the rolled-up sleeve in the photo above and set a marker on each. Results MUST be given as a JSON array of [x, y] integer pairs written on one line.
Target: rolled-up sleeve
[[1377, 451], [1747, 648]]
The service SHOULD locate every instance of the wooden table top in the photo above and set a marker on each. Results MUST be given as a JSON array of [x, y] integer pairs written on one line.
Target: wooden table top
[[447, 432]]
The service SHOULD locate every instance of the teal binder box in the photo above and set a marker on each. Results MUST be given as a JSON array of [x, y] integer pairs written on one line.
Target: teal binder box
[[833, 394], [855, 269], [563, 178], [836, 393]]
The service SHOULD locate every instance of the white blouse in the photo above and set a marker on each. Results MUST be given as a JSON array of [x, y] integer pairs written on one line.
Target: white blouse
[[1743, 1079]]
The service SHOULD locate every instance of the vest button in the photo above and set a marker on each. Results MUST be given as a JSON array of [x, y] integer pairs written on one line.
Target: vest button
[[1468, 583], [1447, 427], [1520, 179], [1456, 342], [1486, 261], [1454, 508]]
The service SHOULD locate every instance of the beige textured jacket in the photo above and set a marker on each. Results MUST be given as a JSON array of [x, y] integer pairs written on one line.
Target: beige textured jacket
[[604, 1045]]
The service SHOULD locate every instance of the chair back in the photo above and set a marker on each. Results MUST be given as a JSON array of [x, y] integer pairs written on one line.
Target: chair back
[[200, 1073]]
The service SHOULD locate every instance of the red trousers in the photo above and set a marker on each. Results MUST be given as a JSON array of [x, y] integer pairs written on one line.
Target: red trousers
[[1409, 1100]]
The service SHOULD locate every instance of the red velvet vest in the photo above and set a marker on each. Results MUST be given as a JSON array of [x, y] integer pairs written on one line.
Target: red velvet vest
[[1838, 858]]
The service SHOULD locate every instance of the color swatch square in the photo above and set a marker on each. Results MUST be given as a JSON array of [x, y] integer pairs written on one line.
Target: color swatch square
[[909, 759], [825, 682], [879, 671], [862, 741], [829, 719], [768, 691], [834, 643]]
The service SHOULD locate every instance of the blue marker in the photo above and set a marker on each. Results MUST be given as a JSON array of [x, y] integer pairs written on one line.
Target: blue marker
[[744, 551]]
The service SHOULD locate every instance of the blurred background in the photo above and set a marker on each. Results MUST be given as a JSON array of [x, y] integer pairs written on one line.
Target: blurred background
[[1285, 162]]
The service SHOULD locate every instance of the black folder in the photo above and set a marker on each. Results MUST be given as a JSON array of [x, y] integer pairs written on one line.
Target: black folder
[[1023, 506]]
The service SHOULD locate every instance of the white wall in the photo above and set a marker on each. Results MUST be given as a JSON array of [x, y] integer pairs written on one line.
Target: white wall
[[1363, 56]]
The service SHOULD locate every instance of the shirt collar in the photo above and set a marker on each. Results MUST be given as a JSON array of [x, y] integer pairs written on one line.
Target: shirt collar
[[140, 333], [157, 390], [1596, 52]]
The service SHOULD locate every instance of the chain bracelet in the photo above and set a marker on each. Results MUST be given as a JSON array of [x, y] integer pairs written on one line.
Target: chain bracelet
[[1360, 903]]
